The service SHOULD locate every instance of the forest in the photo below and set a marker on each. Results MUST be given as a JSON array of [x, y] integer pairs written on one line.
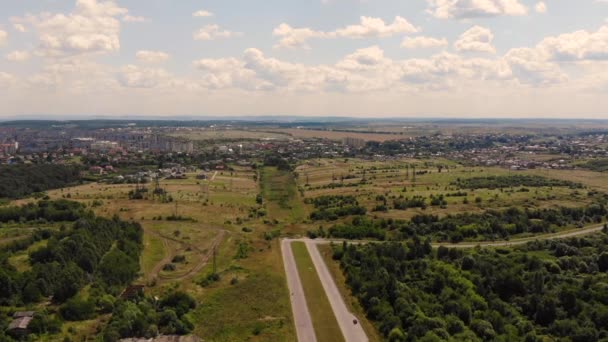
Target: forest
[[18, 181], [543, 291], [330, 208], [490, 225], [99, 253]]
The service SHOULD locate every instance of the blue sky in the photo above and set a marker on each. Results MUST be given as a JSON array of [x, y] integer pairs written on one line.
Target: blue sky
[[414, 58]]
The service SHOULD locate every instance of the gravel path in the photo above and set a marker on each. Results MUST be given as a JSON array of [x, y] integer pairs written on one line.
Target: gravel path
[[301, 315]]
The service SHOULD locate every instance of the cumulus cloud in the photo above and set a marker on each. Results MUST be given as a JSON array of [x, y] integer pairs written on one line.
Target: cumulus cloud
[[369, 69], [476, 39], [202, 14], [18, 56], [132, 76], [19, 28], [3, 37], [540, 7], [532, 66], [578, 45], [152, 56], [423, 42], [133, 19], [462, 9], [212, 32], [92, 27], [368, 27]]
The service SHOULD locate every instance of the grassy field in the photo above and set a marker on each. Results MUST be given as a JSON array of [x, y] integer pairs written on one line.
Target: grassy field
[[280, 192], [392, 180], [255, 307], [323, 319], [351, 302]]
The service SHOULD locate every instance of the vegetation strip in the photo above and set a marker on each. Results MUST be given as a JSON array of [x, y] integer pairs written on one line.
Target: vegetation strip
[[325, 323]]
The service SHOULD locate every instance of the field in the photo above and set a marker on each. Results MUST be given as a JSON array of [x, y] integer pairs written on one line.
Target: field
[[230, 225], [229, 135], [215, 224], [366, 181]]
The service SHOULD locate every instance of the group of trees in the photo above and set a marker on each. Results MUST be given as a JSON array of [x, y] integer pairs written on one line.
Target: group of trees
[[17, 181], [104, 252], [490, 225], [330, 208], [148, 317], [500, 182], [552, 289]]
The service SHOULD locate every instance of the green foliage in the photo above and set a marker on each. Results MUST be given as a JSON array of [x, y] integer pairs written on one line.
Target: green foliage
[[330, 208], [104, 252], [499, 182], [148, 318], [77, 309], [17, 181], [483, 294]]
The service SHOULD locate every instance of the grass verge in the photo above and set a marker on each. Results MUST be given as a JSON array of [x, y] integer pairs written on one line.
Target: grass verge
[[323, 318]]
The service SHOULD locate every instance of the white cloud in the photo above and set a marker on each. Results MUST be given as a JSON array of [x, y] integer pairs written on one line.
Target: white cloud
[[578, 45], [3, 37], [532, 66], [19, 28], [296, 37], [92, 27], [18, 56], [368, 27], [362, 59], [132, 76], [202, 14], [152, 56], [133, 19], [476, 39], [459, 9], [212, 32], [376, 27], [540, 7], [6, 80], [422, 42]]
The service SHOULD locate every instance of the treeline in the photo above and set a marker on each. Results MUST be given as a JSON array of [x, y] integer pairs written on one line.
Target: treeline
[[330, 208], [490, 225], [44, 211], [499, 182], [599, 165], [545, 291], [18, 181], [97, 251]]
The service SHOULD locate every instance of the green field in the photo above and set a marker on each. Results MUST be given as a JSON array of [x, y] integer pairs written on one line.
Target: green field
[[323, 319]]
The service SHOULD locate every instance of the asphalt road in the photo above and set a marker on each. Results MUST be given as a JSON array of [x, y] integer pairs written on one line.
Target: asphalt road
[[301, 316], [350, 330]]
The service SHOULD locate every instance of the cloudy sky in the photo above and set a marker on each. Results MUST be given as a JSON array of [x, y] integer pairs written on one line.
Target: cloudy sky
[[372, 58]]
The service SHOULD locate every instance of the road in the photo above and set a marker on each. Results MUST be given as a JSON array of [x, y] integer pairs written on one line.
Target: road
[[301, 315], [350, 331]]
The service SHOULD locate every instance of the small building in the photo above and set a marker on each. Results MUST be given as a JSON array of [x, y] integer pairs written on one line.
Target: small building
[[132, 291], [21, 321]]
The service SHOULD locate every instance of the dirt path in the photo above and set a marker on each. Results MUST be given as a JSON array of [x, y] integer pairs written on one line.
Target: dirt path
[[301, 315], [346, 319], [203, 256]]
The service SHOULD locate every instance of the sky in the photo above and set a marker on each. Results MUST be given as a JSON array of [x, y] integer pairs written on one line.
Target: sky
[[359, 58]]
